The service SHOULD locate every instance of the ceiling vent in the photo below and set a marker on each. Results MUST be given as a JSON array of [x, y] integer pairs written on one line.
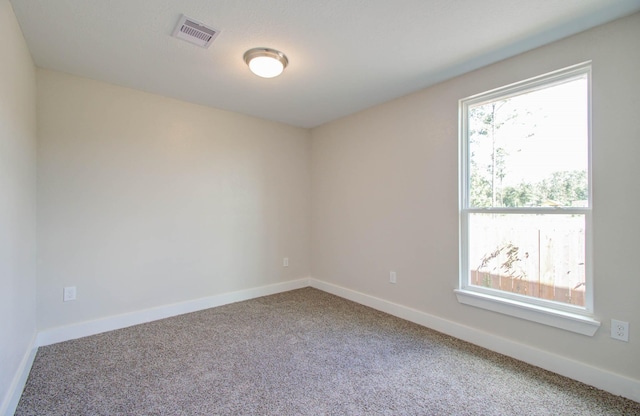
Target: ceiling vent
[[194, 32]]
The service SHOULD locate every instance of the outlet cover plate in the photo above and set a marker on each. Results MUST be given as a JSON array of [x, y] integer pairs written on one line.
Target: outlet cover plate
[[620, 330], [69, 293]]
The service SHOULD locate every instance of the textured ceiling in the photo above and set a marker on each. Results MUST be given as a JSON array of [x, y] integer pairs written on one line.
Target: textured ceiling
[[344, 55]]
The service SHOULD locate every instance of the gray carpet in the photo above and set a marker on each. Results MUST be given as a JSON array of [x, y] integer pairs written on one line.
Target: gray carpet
[[303, 352]]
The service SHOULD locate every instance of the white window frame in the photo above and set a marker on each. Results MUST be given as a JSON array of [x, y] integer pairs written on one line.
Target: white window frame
[[565, 316]]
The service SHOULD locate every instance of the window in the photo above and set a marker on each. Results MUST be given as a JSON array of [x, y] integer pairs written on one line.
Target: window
[[525, 200]]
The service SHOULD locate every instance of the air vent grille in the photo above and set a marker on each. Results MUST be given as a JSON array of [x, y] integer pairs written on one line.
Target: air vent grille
[[194, 32]]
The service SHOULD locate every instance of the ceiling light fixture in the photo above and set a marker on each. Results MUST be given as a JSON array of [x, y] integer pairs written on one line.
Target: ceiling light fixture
[[265, 62]]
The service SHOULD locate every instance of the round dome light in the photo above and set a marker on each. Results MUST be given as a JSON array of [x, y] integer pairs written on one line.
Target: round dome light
[[265, 62]]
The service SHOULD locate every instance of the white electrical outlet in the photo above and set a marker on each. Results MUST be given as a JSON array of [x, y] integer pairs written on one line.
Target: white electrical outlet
[[620, 330], [392, 277], [285, 262], [69, 293]]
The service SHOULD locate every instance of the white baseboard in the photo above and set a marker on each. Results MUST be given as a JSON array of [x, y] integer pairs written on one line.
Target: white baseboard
[[605, 380], [10, 401], [83, 329]]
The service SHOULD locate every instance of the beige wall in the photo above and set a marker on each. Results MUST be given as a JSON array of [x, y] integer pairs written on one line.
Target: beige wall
[[17, 200], [145, 201], [385, 197]]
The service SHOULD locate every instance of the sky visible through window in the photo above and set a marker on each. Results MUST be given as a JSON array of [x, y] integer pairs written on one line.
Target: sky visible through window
[[530, 136]]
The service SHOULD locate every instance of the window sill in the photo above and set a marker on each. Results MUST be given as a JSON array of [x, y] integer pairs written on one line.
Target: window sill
[[559, 319]]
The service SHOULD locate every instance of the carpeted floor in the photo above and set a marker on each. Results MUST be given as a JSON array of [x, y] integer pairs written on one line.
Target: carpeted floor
[[303, 352]]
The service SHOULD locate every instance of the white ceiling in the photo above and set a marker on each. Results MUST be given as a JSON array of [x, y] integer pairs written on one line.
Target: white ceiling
[[344, 55]]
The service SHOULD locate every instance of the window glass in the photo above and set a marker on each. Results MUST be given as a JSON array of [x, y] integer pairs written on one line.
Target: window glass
[[525, 192]]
